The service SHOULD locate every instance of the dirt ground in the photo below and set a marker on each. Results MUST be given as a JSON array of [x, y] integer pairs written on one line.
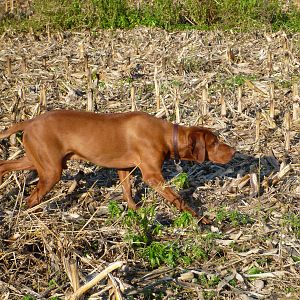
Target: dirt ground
[[225, 81]]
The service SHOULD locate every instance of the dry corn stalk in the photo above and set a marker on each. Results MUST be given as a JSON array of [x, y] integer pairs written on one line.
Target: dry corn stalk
[[86, 63], [43, 99], [296, 100], [23, 64], [254, 184], [132, 97], [157, 88], [229, 55], [95, 280], [239, 98], [283, 171], [8, 67], [177, 113], [223, 104], [271, 123], [254, 87], [90, 101], [287, 123], [81, 50], [71, 269], [257, 128], [204, 100], [269, 62], [89, 78], [272, 100]]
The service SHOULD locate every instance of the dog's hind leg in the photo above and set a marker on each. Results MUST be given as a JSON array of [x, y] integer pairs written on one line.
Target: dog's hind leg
[[47, 180]]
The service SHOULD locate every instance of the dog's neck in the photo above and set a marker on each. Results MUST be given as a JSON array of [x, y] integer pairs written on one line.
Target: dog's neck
[[175, 143]]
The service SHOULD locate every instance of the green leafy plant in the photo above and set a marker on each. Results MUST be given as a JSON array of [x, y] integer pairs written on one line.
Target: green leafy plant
[[238, 80], [52, 283], [234, 217], [158, 253], [142, 226], [209, 295], [180, 181], [293, 222], [28, 297], [184, 220], [209, 281], [114, 209], [254, 271], [211, 236], [193, 252], [233, 282]]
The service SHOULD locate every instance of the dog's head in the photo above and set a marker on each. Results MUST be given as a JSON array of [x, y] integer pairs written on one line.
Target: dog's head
[[205, 145]]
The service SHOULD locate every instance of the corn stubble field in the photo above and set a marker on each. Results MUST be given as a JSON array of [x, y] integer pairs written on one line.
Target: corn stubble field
[[83, 242]]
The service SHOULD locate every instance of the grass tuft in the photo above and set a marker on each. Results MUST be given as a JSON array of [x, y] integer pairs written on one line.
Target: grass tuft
[[168, 14]]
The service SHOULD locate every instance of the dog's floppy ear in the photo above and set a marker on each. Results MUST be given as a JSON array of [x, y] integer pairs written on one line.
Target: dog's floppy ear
[[197, 142]]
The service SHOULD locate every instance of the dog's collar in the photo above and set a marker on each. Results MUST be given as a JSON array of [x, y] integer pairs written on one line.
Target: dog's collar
[[175, 144]]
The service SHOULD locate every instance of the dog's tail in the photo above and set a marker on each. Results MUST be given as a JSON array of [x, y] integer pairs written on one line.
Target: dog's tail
[[13, 129]]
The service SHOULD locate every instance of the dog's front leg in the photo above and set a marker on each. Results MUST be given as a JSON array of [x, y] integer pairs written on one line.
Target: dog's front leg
[[153, 177], [124, 176]]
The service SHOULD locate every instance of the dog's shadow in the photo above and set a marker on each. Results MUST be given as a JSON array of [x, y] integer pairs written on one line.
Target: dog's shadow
[[239, 166], [198, 175], [97, 180]]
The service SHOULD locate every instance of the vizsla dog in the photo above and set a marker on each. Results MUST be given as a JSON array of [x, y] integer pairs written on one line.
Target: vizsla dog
[[121, 141]]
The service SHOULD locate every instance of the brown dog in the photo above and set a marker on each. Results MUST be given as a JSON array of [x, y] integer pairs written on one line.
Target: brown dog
[[121, 141]]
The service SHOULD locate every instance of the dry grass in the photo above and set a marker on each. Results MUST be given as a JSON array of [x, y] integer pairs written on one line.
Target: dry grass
[[49, 253]]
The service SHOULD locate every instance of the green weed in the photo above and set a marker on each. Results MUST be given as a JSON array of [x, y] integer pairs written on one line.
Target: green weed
[[254, 271], [194, 252], [142, 234], [234, 217], [95, 245], [236, 247], [211, 236], [209, 281], [101, 84], [158, 253], [237, 80], [192, 64], [114, 209], [233, 282], [52, 283], [291, 289], [264, 262], [184, 220], [209, 295], [284, 84], [180, 181], [28, 297], [293, 222], [296, 258], [142, 226], [176, 83]]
